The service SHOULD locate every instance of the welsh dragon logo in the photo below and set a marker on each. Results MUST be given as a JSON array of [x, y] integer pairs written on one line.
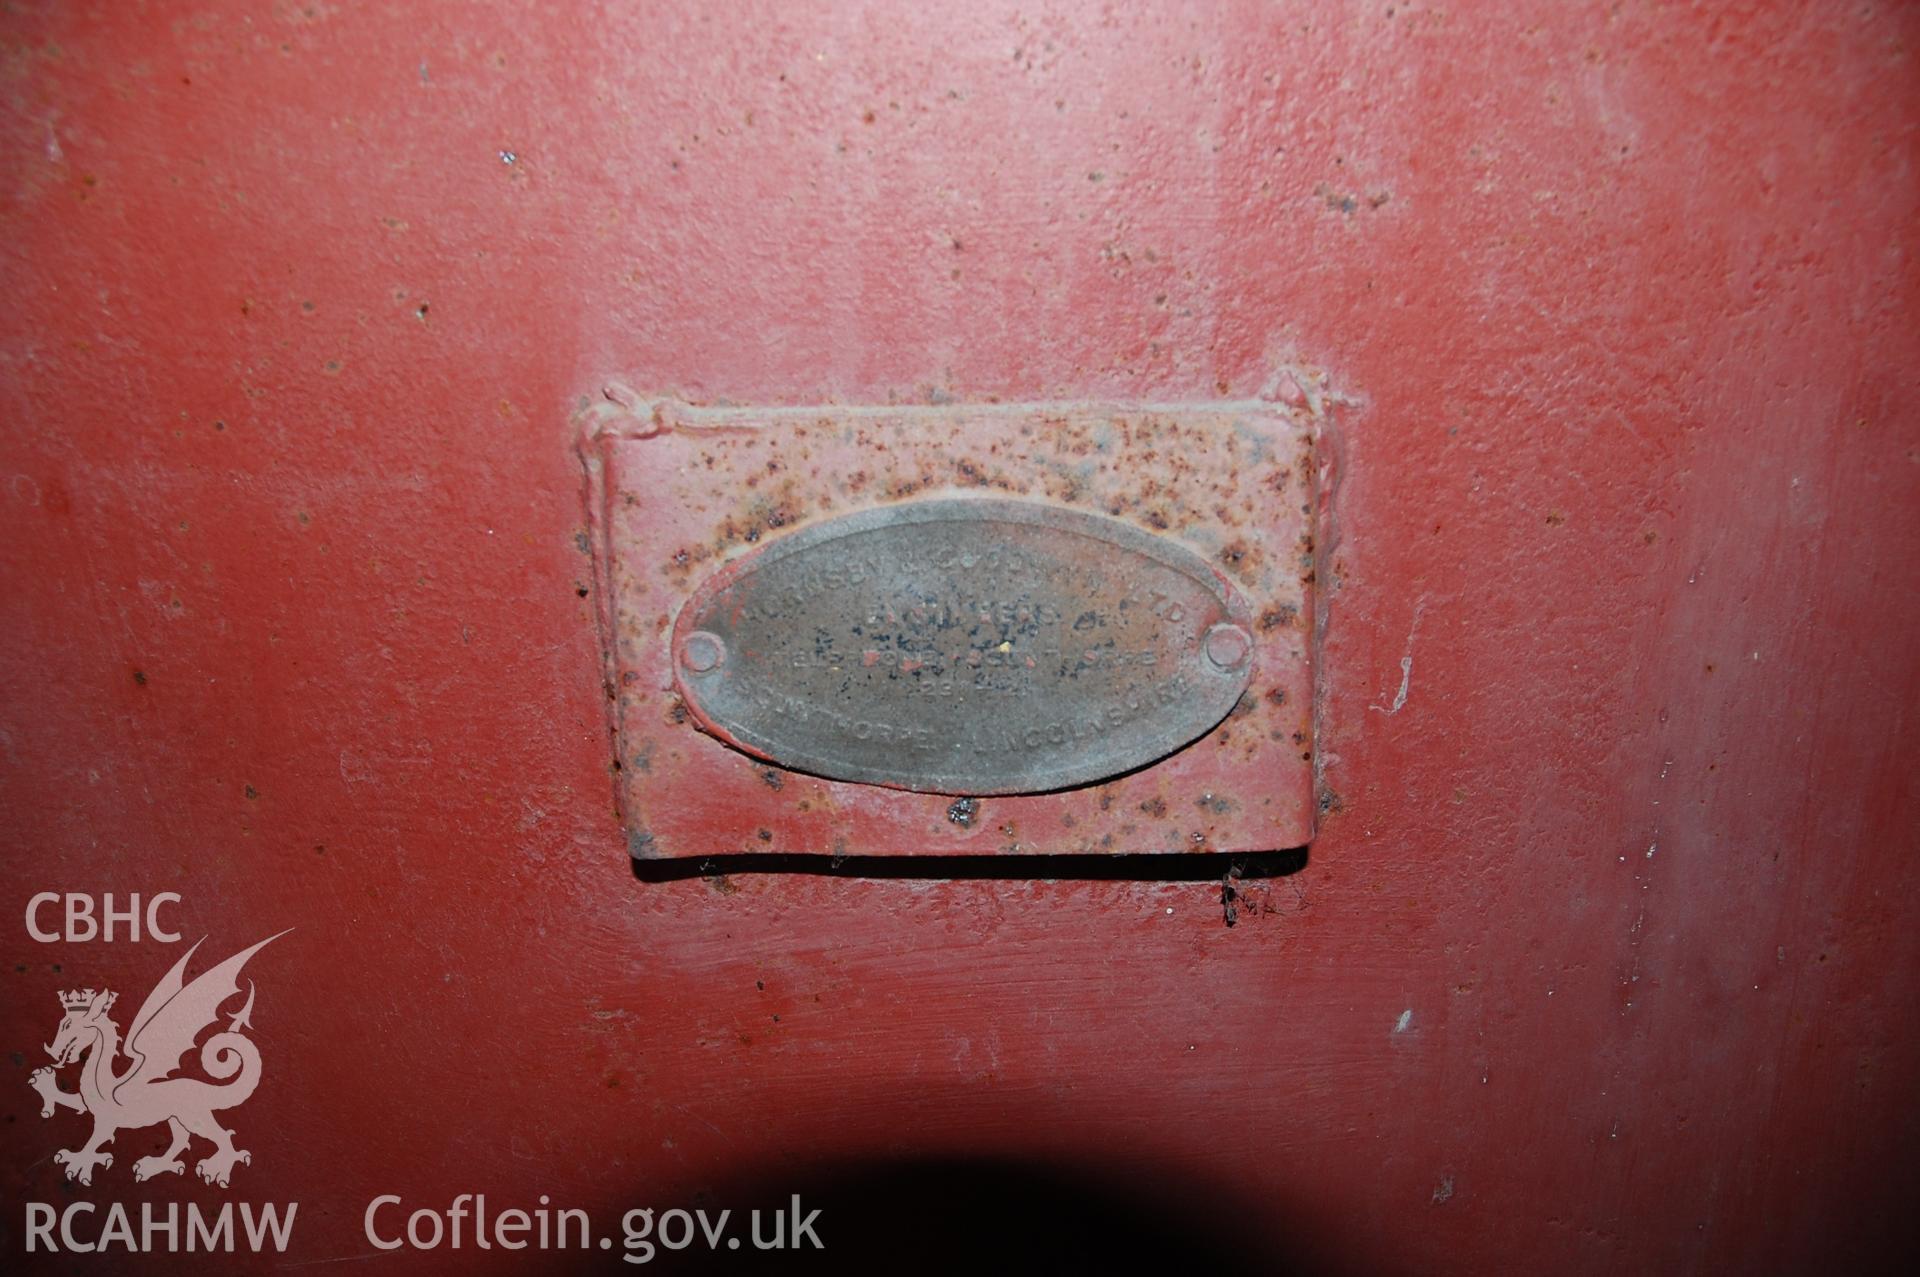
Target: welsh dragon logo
[[146, 1092]]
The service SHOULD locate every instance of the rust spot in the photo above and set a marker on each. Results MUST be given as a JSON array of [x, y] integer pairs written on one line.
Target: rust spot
[[772, 778], [1155, 807], [1275, 617], [964, 811]]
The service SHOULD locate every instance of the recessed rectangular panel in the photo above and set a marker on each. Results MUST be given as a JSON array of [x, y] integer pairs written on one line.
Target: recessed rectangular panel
[[944, 630]]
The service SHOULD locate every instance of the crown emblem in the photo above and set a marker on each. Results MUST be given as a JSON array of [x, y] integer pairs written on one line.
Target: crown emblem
[[80, 999]]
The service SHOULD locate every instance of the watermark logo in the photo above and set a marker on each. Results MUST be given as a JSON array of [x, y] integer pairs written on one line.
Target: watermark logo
[[145, 1091]]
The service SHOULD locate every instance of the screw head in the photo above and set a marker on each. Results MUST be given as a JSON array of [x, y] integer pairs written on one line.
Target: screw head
[[1228, 646], [702, 652]]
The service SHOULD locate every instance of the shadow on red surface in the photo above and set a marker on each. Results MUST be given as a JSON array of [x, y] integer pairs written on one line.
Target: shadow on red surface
[[983, 1214], [1065, 868]]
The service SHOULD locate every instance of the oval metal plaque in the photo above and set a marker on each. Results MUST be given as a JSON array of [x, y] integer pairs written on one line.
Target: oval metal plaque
[[964, 646]]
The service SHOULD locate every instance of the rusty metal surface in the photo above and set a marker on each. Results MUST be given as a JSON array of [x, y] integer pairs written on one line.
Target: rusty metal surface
[[843, 721], [964, 646]]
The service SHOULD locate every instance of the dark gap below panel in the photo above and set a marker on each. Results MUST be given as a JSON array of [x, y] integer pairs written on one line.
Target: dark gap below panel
[[1176, 867]]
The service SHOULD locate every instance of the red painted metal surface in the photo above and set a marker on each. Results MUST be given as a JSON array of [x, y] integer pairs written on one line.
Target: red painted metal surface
[[1604, 958]]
